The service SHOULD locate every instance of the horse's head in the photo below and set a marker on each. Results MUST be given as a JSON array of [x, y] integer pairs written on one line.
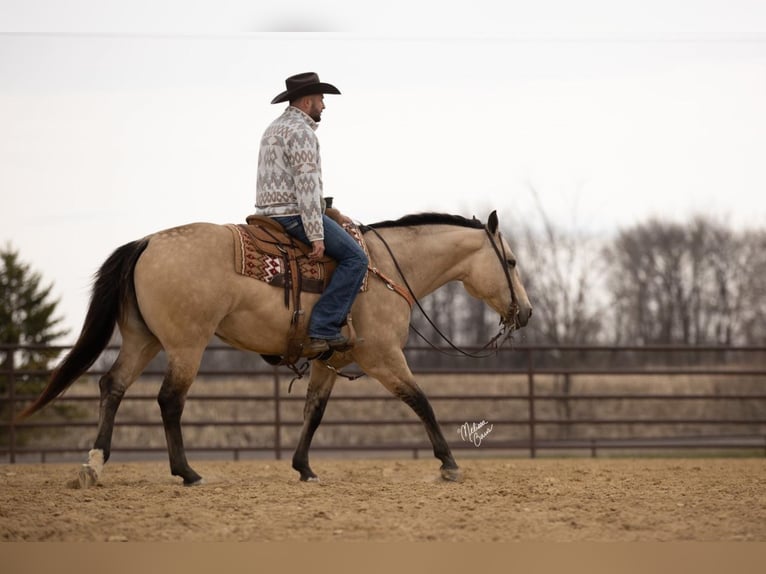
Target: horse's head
[[495, 279]]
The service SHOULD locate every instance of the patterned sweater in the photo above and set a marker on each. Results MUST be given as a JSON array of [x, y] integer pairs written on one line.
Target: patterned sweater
[[290, 172]]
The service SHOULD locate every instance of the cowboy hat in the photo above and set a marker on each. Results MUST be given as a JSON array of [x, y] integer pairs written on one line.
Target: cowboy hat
[[303, 85]]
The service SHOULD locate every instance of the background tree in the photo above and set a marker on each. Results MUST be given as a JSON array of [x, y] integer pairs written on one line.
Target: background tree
[[562, 271], [27, 317], [694, 284], [750, 268]]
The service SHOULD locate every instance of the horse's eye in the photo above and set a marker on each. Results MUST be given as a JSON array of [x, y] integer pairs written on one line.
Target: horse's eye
[[511, 263]]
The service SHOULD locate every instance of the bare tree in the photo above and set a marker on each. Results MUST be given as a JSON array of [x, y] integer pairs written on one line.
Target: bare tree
[[563, 275], [692, 284], [749, 300]]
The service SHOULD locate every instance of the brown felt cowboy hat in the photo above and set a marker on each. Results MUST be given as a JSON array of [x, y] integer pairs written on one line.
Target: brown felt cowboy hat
[[304, 85]]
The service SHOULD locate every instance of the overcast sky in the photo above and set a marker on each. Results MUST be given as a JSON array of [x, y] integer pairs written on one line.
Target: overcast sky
[[118, 119]]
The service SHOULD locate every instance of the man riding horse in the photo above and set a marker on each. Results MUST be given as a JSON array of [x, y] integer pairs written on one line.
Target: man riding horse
[[289, 189], [175, 289]]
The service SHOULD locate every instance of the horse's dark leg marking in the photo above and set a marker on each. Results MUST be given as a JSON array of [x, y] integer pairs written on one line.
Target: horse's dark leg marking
[[317, 395], [418, 402], [111, 397], [135, 353], [171, 398]]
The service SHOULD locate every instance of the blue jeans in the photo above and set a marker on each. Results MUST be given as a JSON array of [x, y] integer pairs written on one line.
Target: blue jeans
[[334, 304]]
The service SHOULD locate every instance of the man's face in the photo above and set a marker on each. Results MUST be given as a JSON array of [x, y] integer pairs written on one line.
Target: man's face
[[316, 105]]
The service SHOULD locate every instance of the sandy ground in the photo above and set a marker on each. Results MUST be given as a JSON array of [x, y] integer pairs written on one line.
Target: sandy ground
[[547, 500]]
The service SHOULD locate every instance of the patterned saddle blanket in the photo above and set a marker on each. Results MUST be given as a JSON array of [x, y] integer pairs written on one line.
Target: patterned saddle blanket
[[264, 251]]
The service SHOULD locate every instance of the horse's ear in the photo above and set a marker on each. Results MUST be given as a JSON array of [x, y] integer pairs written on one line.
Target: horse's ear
[[492, 222]]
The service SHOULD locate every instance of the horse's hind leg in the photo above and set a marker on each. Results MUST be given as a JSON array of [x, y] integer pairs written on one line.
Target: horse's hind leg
[[138, 348], [319, 389], [172, 398]]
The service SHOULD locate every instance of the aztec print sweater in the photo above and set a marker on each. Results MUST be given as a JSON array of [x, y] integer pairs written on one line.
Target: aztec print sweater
[[290, 172]]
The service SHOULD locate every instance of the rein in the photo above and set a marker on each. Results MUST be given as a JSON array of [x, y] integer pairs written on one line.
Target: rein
[[504, 332], [489, 349]]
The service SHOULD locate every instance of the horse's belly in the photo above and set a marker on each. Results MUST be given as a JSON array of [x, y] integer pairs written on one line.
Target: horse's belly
[[188, 290]]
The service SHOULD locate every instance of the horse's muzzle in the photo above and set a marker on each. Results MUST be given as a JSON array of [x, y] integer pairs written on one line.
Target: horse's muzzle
[[523, 316], [518, 316]]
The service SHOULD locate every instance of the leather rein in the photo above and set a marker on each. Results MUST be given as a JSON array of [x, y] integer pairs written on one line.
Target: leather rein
[[506, 326]]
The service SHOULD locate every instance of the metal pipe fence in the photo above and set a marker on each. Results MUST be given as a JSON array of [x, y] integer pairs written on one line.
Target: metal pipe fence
[[547, 399]]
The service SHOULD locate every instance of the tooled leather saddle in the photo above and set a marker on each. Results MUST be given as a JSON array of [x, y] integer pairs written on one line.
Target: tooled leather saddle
[[263, 250]]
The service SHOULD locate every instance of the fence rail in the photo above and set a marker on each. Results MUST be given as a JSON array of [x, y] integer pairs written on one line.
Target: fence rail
[[539, 390]]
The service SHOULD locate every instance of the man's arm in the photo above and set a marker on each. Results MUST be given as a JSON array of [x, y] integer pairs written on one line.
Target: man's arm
[[307, 178]]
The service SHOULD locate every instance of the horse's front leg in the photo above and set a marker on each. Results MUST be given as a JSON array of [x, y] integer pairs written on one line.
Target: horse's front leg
[[415, 398], [320, 386], [391, 369]]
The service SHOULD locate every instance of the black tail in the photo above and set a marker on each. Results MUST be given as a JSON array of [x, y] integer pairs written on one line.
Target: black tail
[[112, 289]]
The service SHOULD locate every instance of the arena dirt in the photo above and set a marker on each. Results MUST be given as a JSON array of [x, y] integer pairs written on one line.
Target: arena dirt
[[550, 500]]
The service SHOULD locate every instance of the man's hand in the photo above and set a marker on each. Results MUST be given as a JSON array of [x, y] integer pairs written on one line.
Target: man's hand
[[317, 250], [338, 217]]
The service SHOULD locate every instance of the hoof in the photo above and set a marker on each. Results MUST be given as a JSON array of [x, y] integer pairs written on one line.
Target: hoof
[[196, 482], [308, 476], [452, 474], [87, 477]]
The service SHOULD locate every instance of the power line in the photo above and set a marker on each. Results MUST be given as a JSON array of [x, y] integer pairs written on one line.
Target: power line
[[341, 36]]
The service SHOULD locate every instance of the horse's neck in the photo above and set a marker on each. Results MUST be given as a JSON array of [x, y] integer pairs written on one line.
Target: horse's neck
[[431, 256]]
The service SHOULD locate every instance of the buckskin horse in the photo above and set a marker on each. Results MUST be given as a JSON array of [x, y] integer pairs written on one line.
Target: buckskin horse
[[175, 289]]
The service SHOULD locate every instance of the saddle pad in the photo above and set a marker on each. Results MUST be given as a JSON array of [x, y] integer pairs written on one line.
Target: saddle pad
[[264, 265]]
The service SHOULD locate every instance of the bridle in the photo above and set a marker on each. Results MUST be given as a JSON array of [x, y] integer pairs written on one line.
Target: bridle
[[507, 325], [515, 309]]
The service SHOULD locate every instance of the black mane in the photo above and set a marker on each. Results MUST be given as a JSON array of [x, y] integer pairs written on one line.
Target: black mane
[[429, 219]]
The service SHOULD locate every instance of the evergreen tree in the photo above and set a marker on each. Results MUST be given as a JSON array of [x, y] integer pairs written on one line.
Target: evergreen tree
[[27, 317]]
